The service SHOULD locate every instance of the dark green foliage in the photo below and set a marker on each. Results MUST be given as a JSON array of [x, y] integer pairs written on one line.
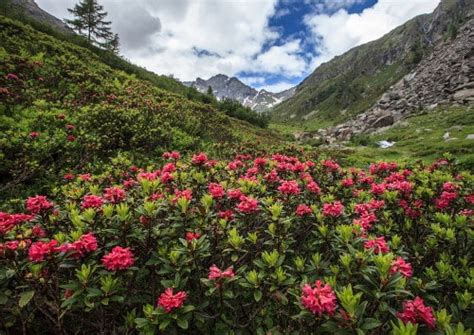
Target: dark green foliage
[[89, 21]]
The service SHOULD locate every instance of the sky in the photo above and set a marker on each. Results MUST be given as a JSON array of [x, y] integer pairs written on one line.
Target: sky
[[268, 44]]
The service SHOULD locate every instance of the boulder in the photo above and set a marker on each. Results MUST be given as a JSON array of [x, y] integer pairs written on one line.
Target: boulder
[[466, 94], [383, 121]]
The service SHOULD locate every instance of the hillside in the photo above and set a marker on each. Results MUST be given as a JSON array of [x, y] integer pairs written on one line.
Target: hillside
[[351, 83], [232, 88], [62, 108]]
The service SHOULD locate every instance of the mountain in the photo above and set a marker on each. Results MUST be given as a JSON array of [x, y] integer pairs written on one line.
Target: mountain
[[31, 8], [232, 88], [445, 77], [352, 83]]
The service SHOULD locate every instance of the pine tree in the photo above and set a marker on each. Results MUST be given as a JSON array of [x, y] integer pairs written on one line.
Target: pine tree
[[210, 91], [90, 22], [114, 44]]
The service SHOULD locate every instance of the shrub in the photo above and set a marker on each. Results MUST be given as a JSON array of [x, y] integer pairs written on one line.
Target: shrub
[[275, 244]]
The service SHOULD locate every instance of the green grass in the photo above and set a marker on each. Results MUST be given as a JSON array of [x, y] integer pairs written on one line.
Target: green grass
[[420, 137]]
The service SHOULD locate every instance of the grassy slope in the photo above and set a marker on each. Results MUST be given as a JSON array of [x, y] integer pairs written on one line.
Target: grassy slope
[[421, 137], [113, 112]]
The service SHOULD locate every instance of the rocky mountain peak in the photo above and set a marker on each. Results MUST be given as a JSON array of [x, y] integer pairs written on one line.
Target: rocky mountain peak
[[232, 88]]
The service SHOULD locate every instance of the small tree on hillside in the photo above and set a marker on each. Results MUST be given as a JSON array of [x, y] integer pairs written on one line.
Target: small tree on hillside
[[210, 92], [89, 21]]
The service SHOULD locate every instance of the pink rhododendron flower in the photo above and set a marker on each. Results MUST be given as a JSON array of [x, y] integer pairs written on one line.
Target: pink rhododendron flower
[[272, 176], [228, 214], [400, 265], [190, 236], [114, 195], [289, 187], [68, 176], [247, 204], [85, 177], [38, 251], [166, 178], [175, 155], [320, 299], [34, 134], [216, 273], [348, 182], [234, 165], [8, 221], [199, 159], [12, 76], [85, 244], [170, 168], [92, 201], [118, 259], [234, 193], [216, 190], [37, 231], [377, 245], [313, 187], [331, 165], [334, 209], [38, 204], [415, 311], [187, 194], [303, 210], [170, 301]]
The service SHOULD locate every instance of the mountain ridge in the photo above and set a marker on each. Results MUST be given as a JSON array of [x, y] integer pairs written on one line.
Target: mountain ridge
[[224, 87]]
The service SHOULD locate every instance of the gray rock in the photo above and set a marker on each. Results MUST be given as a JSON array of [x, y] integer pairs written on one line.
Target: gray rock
[[467, 94], [470, 137], [446, 136], [383, 121]]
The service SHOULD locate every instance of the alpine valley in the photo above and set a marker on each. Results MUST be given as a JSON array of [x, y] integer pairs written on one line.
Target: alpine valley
[[132, 202]]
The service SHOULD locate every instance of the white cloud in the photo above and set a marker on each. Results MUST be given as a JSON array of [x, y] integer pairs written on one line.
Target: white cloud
[[342, 31], [200, 38], [196, 38], [253, 81], [277, 87]]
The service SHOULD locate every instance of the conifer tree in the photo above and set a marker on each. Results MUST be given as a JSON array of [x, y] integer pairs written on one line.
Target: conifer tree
[[89, 21]]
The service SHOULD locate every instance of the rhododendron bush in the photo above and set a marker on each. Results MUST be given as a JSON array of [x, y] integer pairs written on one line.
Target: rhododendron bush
[[266, 245]]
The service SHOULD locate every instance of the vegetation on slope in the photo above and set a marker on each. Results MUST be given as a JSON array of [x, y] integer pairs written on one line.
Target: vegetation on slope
[[420, 137], [62, 108], [273, 244], [115, 61]]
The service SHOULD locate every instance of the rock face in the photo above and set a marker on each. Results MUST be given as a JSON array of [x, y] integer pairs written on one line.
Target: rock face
[[445, 77], [232, 88], [32, 9]]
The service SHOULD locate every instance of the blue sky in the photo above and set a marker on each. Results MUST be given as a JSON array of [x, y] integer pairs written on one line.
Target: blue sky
[[288, 20], [270, 44]]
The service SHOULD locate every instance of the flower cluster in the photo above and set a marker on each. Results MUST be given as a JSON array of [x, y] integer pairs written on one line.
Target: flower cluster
[[170, 301], [415, 311], [118, 259], [319, 299]]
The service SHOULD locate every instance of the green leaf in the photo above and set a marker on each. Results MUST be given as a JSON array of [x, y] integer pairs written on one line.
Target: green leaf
[[183, 323], [257, 295], [370, 323], [25, 298]]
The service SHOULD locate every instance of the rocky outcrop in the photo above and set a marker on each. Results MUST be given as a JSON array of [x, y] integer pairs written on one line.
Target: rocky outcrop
[[31, 8], [232, 88], [446, 76]]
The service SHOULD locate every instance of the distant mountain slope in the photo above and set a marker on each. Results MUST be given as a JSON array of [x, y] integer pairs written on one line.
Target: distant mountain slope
[[351, 83], [32, 9], [446, 77], [232, 88]]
